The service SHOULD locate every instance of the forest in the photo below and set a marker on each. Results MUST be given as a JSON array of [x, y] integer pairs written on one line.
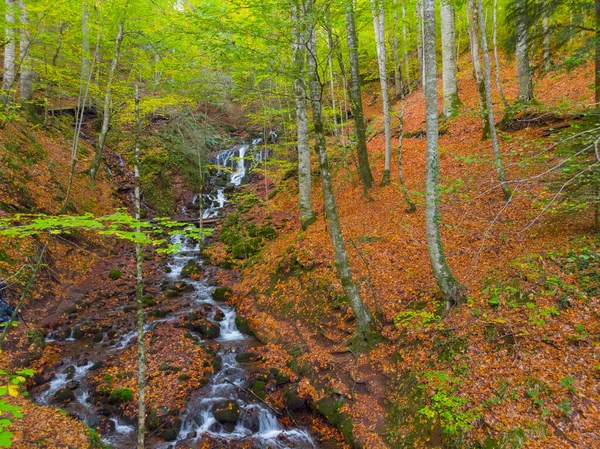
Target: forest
[[300, 224]]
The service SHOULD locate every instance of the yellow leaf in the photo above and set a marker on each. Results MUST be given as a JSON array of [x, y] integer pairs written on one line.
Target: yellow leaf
[[13, 391]]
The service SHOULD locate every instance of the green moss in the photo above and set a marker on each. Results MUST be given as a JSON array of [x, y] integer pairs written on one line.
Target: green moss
[[115, 274], [330, 408], [221, 293], [120, 395], [259, 389]]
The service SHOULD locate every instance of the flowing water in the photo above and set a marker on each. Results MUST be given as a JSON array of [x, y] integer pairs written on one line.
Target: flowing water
[[257, 424]]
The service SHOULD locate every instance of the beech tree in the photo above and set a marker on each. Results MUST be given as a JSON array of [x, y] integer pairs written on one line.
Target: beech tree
[[449, 286], [522, 52], [451, 100], [10, 48], [364, 320]]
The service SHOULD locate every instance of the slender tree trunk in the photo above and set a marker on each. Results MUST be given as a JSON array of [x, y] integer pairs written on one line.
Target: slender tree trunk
[[10, 50], [447, 283], [360, 129], [307, 215], [597, 57], [85, 43], [405, 46], [410, 205], [139, 289], [107, 103], [420, 41], [473, 19], [364, 320], [490, 111], [331, 48], [451, 100], [546, 30], [522, 53], [396, 52], [27, 73], [377, 10], [497, 59]]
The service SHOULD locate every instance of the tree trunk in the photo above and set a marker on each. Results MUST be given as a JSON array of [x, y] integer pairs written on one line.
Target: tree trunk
[[354, 93], [522, 53], [379, 25], [451, 100], [546, 31], [307, 215], [447, 283], [395, 43], [85, 43], [139, 289], [27, 73], [405, 46], [410, 205], [420, 41], [364, 321], [10, 50], [497, 59], [597, 58], [106, 112], [490, 111], [473, 19]]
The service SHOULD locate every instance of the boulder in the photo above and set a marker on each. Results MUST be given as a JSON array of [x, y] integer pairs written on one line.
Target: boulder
[[226, 411], [221, 293], [63, 395]]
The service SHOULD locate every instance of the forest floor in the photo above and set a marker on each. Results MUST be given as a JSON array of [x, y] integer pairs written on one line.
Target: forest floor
[[519, 361]]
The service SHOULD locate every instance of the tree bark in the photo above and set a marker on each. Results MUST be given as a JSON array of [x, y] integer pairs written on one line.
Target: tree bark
[[10, 50], [420, 42], [27, 73], [354, 93], [307, 215], [378, 13], [410, 205], [490, 111], [451, 100], [405, 46], [139, 289], [546, 31], [395, 44], [107, 103], [497, 59], [364, 320], [450, 288], [473, 19], [597, 57], [522, 53]]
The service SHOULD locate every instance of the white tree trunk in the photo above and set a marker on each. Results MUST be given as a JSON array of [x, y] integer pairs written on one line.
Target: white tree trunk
[[445, 280], [395, 42], [496, 58], [379, 26], [420, 42], [546, 28], [451, 100], [522, 53], [473, 20], [27, 73], [405, 46], [490, 111], [364, 321], [307, 215], [10, 50], [107, 103], [139, 290]]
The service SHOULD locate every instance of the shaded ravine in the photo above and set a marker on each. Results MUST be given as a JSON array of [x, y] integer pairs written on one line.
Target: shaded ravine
[[252, 421]]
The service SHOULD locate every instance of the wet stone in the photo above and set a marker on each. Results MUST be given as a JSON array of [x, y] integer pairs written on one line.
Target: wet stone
[[226, 411], [72, 384], [63, 395], [70, 371]]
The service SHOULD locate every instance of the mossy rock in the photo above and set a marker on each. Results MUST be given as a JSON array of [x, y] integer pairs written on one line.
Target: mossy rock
[[226, 411], [148, 301], [330, 408], [221, 293], [243, 326], [292, 400], [120, 396], [259, 389], [244, 357], [190, 269], [217, 363], [280, 377], [70, 310], [115, 274], [63, 396]]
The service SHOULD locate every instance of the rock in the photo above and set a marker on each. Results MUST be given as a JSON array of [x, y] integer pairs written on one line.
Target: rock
[[71, 310], [245, 357], [219, 315], [94, 421], [115, 274], [72, 384], [259, 389], [190, 269], [221, 293], [226, 411], [230, 187], [217, 363], [63, 395], [70, 371], [280, 377], [78, 334], [292, 400], [243, 326], [166, 421]]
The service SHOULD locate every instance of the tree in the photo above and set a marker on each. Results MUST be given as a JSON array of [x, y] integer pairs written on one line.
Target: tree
[[107, 103], [405, 45], [488, 98], [377, 10], [522, 52], [496, 58], [396, 52], [27, 73], [450, 288], [299, 42], [360, 129], [364, 320], [597, 56], [473, 19], [10, 48], [451, 100]]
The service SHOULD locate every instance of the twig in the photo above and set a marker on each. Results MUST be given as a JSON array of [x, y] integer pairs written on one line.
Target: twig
[[245, 390]]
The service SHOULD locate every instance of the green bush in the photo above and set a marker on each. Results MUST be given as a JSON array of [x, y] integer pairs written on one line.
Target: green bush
[[121, 395], [115, 274]]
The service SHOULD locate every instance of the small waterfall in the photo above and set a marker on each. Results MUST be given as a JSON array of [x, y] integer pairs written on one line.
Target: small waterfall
[[240, 170]]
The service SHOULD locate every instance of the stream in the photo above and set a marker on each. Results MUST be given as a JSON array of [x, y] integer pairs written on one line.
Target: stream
[[254, 425]]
